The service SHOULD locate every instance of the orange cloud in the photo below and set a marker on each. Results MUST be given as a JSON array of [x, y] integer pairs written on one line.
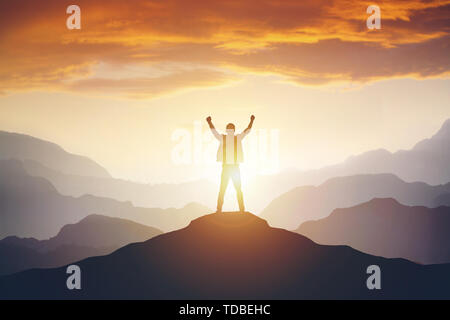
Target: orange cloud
[[312, 42], [150, 87]]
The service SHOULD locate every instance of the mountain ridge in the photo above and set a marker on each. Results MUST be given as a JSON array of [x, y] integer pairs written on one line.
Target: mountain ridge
[[231, 256], [31, 207], [22, 147], [94, 235], [314, 202], [385, 227]]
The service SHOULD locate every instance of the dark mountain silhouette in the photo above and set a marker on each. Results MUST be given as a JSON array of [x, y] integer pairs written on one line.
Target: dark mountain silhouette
[[310, 203], [15, 258], [94, 231], [101, 231], [23, 147], [30, 243], [384, 227], [31, 207], [94, 235], [232, 256]]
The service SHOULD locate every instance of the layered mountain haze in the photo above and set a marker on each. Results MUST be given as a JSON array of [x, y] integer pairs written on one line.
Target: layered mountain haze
[[24, 147], [145, 195], [32, 207], [75, 175], [232, 256], [384, 227], [427, 162], [92, 236], [311, 203], [80, 177], [91, 187]]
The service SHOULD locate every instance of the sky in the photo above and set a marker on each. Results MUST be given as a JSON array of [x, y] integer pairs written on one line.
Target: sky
[[132, 87]]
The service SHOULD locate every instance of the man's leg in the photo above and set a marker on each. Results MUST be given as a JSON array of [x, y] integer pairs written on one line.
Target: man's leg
[[223, 187], [236, 176]]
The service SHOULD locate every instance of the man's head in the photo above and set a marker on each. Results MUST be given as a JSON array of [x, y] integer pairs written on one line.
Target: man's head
[[230, 126]]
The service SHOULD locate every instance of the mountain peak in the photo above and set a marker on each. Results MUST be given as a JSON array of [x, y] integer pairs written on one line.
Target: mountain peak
[[228, 229], [48, 154], [382, 201], [103, 231], [375, 206], [229, 220], [445, 130], [385, 227], [438, 141]]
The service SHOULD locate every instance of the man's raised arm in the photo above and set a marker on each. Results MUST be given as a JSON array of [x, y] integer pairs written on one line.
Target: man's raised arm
[[213, 130], [247, 130]]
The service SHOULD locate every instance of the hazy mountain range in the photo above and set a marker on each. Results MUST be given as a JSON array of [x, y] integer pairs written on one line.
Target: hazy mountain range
[[310, 203], [232, 256], [93, 236], [146, 195], [427, 161], [23, 147], [32, 207], [43, 188], [384, 227]]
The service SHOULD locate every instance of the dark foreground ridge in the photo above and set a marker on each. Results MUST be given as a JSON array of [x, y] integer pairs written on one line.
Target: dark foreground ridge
[[232, 256]]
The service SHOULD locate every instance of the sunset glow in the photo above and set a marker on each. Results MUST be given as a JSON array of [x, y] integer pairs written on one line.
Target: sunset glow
[[142, 67]]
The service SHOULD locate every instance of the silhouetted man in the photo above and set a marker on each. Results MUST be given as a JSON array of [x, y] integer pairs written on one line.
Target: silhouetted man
[[230, 154]]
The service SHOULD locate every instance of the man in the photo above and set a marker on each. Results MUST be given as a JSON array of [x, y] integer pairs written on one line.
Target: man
[[230, 154]]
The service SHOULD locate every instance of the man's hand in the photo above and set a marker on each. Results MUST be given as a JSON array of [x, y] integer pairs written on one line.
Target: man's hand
[[211, 126], [252, 118]]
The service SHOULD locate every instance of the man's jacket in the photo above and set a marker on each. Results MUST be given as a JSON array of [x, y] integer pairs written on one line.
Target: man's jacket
[[230, 148]]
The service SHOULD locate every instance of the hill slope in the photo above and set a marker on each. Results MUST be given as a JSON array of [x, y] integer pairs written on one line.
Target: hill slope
[[101, 231], [232, 256], [94, 235], [386, 228]]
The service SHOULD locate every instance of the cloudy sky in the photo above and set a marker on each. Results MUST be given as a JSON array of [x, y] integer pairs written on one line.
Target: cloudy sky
[[139, 73]]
